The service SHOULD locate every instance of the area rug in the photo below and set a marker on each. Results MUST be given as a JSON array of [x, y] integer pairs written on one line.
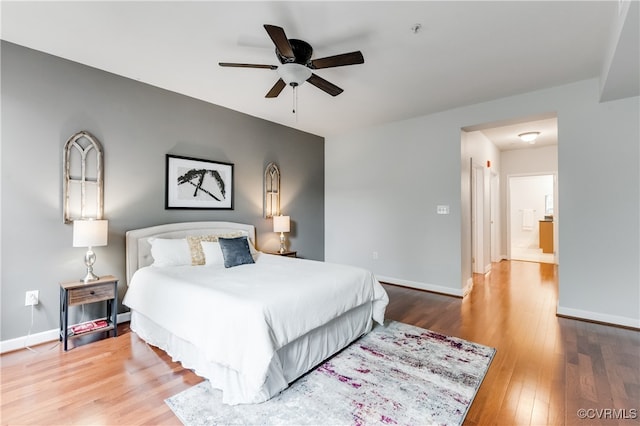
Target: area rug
[[396, 374]]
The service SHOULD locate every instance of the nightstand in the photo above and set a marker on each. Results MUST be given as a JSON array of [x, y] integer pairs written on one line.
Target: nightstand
[[73, 293], [286, 253]]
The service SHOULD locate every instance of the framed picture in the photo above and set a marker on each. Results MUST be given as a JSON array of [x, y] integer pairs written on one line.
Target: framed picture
[[198, 184]]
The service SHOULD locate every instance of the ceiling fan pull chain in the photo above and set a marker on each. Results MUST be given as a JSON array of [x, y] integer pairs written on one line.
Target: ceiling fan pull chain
[[295, 101]]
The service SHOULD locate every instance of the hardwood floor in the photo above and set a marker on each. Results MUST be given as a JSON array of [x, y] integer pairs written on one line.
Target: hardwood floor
[[546, 368]]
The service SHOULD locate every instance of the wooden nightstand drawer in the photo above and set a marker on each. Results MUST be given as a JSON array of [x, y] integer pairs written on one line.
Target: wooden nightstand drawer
[[97, 293]]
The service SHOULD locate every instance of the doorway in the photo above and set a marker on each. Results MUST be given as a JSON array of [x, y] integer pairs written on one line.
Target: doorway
[[491, 152], [531, 218]]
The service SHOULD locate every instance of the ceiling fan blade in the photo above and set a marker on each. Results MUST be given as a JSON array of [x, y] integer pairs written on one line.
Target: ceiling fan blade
[[350, 58], [324, 85], [231, 64], [280, 39], [276, 89]]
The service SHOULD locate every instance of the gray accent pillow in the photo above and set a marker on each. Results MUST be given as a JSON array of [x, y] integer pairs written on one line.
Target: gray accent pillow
[[235, 251]]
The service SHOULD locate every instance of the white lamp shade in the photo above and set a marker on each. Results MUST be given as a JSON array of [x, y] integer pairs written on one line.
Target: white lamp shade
[[281, 224], [90, 233]]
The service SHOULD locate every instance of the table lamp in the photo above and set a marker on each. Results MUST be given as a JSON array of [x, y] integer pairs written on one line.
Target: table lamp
[[90, 233], [281, 224]]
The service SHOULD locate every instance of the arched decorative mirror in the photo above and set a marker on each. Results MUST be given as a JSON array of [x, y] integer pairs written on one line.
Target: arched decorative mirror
[[271, 191], [83, 178]]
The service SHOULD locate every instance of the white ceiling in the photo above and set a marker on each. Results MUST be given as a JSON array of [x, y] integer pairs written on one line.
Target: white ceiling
[[505, 137], [465, 53]]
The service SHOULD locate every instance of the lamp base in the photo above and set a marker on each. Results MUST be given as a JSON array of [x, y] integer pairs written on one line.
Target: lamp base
[[282, 243], [90, 277], [89, 260]]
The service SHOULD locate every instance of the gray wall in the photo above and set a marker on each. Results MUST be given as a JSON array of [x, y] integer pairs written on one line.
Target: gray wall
[[46, 99], [383, 185]]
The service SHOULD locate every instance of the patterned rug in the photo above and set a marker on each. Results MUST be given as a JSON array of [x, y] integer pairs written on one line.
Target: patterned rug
[[397, 374]]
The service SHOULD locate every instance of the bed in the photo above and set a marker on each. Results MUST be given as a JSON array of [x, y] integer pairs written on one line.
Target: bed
[[251, 327]]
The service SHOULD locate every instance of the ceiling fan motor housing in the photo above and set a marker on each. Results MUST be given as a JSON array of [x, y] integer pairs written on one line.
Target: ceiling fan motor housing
[[301, 50]]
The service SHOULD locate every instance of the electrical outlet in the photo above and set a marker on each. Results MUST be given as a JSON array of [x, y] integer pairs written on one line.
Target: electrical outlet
[[31, 298], [374, 255]]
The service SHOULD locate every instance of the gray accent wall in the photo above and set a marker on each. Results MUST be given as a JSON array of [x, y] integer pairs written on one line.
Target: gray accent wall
[[46, 99]]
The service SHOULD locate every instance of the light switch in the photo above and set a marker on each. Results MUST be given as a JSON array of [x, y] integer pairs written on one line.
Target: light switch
[[442, 209]]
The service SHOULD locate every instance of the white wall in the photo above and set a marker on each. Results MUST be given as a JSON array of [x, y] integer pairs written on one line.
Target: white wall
[[382, 186]]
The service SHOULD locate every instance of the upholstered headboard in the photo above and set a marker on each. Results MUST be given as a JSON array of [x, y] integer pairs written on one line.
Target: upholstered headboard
[[139, 249]]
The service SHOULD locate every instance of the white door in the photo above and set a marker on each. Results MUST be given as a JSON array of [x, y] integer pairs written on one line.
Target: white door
[[477, 218], [495, 222]]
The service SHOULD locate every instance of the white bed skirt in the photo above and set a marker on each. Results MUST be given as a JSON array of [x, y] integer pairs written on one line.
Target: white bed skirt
[[289, 363]]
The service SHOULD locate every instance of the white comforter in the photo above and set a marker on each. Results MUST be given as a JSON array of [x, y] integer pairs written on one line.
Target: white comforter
[[241, 316]]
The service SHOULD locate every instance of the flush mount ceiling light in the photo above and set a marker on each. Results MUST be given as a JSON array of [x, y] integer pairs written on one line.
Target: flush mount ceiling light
[[529, 137]]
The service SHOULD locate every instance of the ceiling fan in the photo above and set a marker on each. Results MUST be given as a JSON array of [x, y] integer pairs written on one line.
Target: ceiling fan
[[296, 63]]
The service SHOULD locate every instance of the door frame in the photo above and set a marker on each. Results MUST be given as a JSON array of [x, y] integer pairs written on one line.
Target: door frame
[[477, 217], [494, 203]]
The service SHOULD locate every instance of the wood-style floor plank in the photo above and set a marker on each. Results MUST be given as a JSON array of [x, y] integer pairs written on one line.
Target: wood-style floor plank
[[546, 368]]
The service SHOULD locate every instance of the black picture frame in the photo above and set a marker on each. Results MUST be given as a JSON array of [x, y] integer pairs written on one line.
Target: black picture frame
[[194, 183]]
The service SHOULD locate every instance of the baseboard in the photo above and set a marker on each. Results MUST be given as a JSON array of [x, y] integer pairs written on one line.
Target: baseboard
[[598, 317], [468, 287], [422, 286], [43, 337]]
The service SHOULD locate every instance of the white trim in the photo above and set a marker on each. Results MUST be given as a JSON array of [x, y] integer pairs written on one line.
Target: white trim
[[32, 340], [468, 287], [43, 337], [422, 286], [599, 317]]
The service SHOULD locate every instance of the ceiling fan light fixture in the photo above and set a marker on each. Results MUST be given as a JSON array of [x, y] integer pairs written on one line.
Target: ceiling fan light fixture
[[529, 137], [297, 66], [294, 74]]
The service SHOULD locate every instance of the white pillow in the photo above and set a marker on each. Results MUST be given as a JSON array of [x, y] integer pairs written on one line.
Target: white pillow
[[170, 252], [212, 253]]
